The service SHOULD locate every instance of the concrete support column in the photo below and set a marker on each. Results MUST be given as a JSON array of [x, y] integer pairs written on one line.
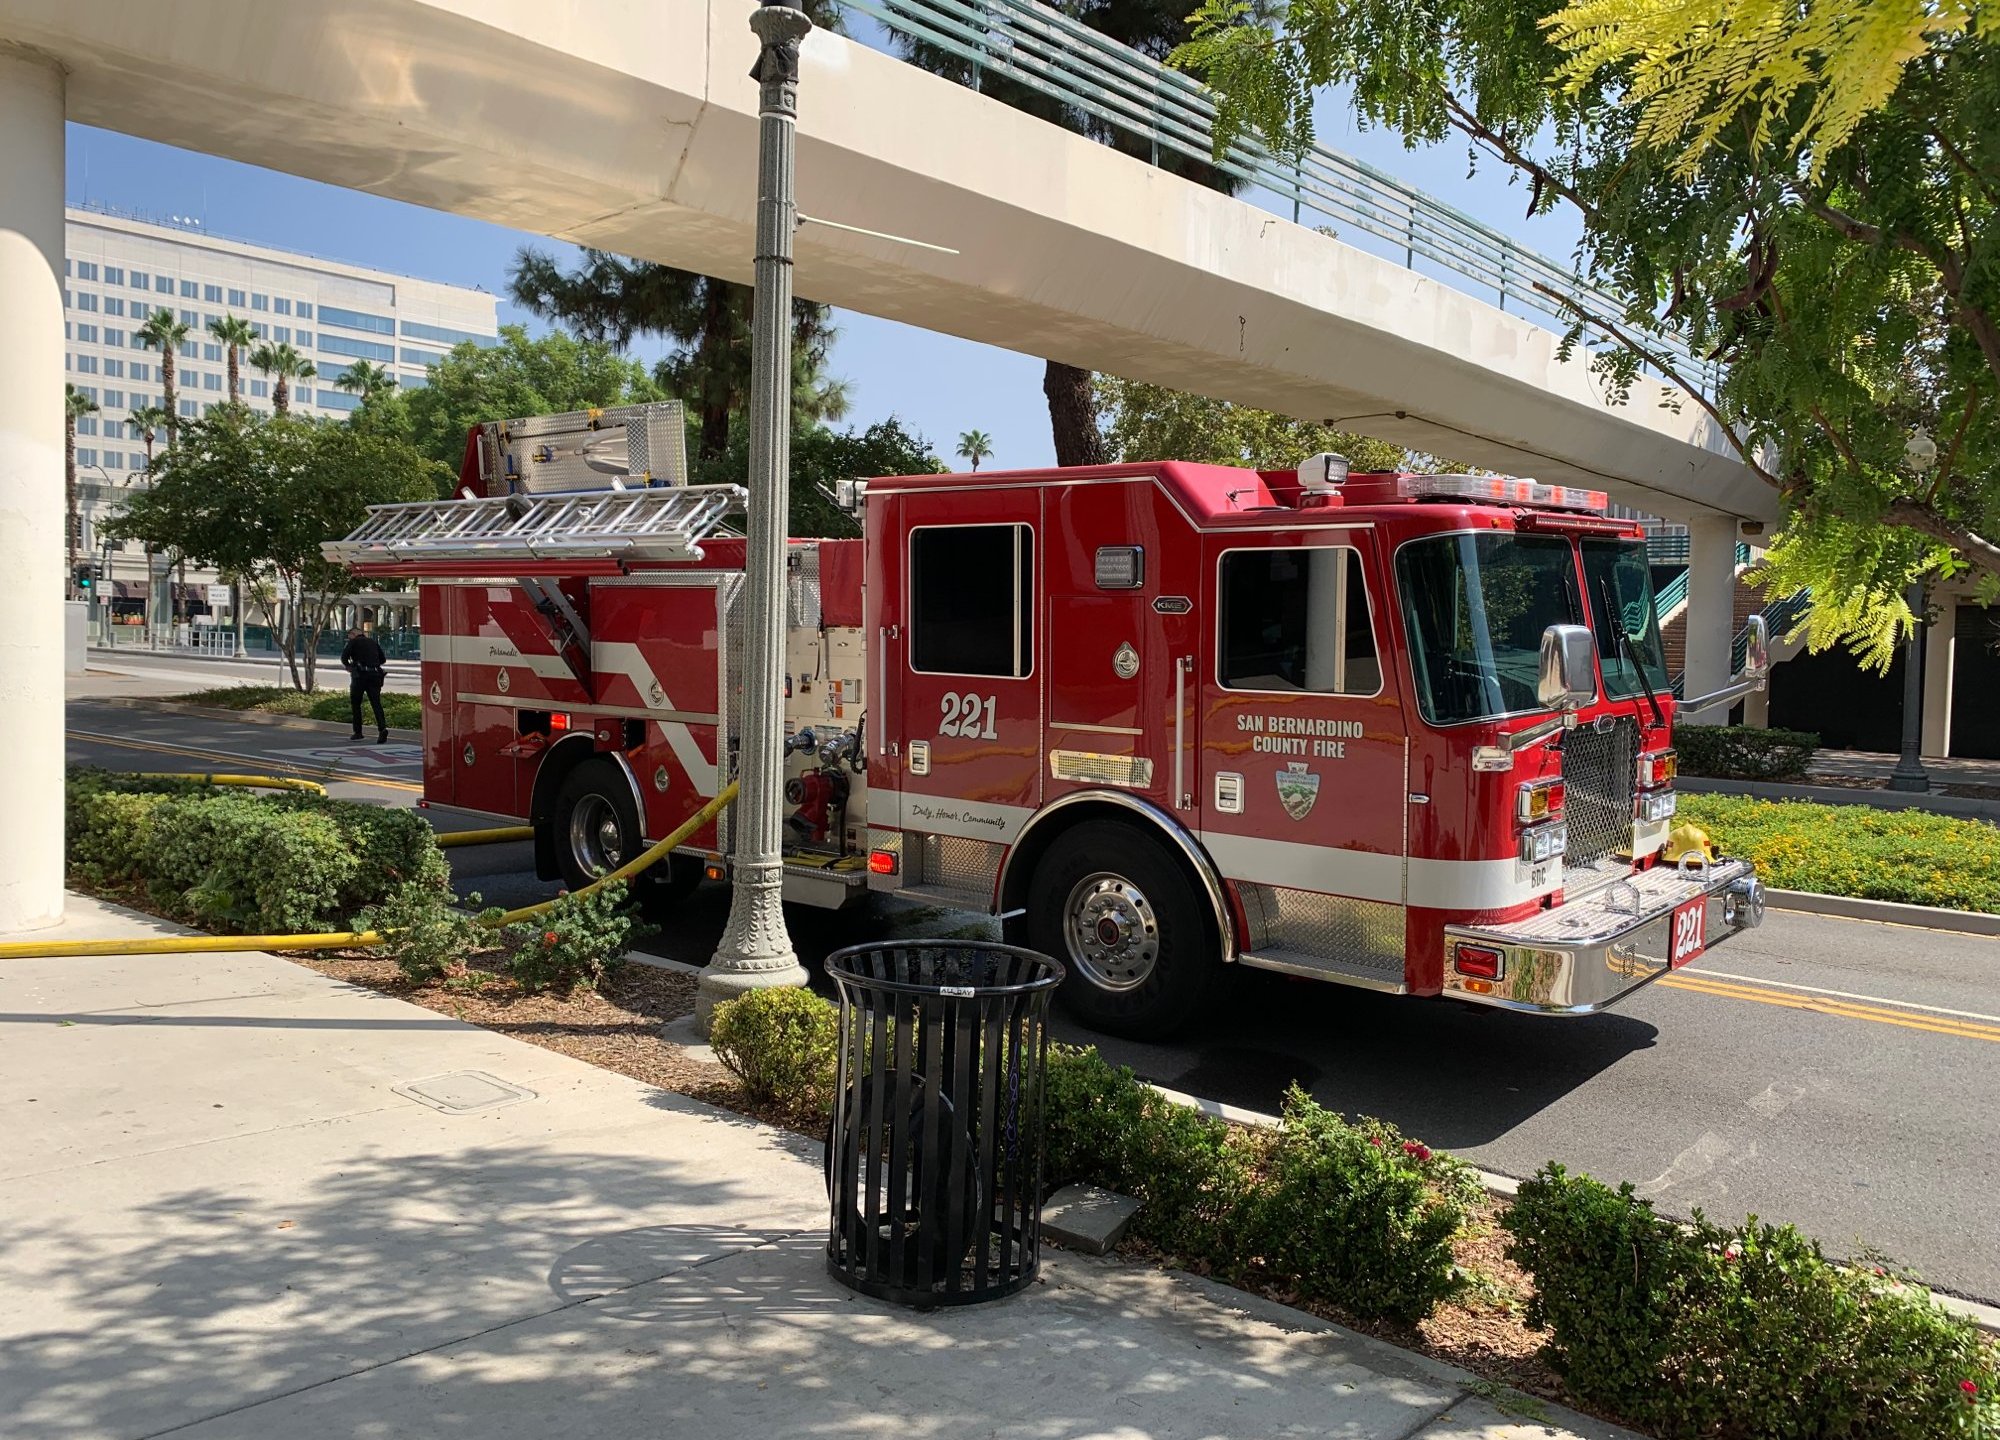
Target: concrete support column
[[1711, 611], [1940, 653], [31, 488]]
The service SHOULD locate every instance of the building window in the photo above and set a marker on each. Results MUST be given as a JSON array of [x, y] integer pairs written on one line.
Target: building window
[[356, 320], [114, 275], [259, 302], [190, 349], [413, 382], [332, 374], [114, 459], [86, 424], [208, 322], [89, 392], [86, 334], [114, 338], [85, 301], [422, 357], [212, 294], [115, 369], [114, 398], [211, 381], [282, 334], [189, 290], [305, 337], [86, 364], [260, 389], [281, 306], [86, 270], [86, 457], [359, 349], [141, 280], [140, 370], [236, 301], [114, 430], [305, 311], [189, 318], [440, 335], [189, 409], [302, 395], [1296, 621], [337, 400], [962, 629], [164, 284], [211, 353], [113, 305], [260, 329]]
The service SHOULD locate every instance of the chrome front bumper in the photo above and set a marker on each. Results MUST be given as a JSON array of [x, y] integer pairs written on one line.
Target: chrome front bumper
[[1584, 955]]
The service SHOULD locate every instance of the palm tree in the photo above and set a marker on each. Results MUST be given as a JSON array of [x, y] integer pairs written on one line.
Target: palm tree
[[236, 335], [287, 364], [365, 379], [166, 334], [76, 405], [149, 420], [975, 445]]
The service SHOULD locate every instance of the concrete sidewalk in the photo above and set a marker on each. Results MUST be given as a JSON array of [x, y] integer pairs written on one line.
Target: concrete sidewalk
[[229, 1210]]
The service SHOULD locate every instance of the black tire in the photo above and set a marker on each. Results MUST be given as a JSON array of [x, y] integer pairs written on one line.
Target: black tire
[[596, 823], [1162, 971]]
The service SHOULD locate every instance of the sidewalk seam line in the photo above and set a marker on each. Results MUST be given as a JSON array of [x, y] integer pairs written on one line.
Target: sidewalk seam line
[[475, 1335], [197, 1144]]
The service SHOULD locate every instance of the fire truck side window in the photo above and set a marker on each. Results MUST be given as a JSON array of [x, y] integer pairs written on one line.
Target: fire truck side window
[[970, 607], [1296, 620]]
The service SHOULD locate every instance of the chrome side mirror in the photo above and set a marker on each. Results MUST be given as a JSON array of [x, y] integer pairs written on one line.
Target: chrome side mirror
[[1568, 673], [1756, 648]]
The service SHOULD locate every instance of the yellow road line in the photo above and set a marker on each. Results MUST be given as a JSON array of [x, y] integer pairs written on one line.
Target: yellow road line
[[1958, 1029], [235, 757]]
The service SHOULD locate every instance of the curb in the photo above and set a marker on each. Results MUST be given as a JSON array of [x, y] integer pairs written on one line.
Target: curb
[[254, 717], [1885, 912]]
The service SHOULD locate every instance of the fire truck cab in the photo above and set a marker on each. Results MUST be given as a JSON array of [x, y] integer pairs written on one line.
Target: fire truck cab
[[1405, 732]]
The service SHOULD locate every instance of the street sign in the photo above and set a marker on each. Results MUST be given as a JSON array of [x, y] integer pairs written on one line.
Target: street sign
[[218, 597]]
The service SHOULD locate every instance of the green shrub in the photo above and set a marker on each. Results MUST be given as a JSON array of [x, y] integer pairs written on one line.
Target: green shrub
[[405, 711], [108, 832], [1699, 1329], [240, 862], [1740, 752], [1912, 856], [1359, 1214], [391, 848], [783, 1044], [576, 941], [424, 931]]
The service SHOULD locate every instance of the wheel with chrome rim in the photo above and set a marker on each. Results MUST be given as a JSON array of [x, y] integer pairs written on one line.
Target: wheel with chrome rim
[[1113, 903], [596, 823]]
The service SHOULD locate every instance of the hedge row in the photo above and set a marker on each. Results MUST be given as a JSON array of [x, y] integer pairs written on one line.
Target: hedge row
[[1739, 752], [1912, 856], [403, 711], [1690, 1330], [250, 863]]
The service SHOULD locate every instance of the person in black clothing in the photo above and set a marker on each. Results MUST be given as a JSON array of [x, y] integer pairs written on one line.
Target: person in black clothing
[[367, 667]]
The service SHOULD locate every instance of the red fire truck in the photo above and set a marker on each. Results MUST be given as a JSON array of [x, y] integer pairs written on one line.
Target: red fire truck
[[1403, 731]]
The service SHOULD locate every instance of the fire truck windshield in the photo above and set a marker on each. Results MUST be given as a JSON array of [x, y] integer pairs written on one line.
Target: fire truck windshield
[[1619, 583], [1475, 607]]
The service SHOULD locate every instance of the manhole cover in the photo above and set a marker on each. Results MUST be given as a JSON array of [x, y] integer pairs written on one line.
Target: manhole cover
[[464, 1091]]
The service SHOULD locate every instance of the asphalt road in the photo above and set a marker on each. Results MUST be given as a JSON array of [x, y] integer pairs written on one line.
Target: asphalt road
[[1842, 1075]]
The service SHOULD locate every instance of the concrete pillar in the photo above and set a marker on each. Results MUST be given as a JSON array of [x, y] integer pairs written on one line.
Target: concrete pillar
[[1711, 610], [31, 488], [1940, 652]]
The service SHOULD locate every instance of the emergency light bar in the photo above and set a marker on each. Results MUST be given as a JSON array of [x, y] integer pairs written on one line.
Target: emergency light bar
[[1499, 490]]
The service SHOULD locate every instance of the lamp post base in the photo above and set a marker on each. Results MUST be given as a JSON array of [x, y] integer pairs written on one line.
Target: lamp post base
[[755, 952], [1909, 783]]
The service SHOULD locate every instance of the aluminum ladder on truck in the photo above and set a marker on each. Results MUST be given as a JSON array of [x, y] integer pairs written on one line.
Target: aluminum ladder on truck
[[537, 538]]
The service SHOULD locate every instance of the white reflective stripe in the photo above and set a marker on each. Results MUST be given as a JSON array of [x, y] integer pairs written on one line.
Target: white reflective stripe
[[969, 819], [491, 650], [1367, 875], [622, 657], [1361, 874]]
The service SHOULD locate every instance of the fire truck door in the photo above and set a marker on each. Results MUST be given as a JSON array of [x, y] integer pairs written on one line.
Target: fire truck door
[[967, 666], [1303, 762]]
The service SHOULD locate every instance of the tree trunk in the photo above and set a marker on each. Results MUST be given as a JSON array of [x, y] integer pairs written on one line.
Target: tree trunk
[[235, 372], [714, 369], [1073, 415], [69, 502], [167, 390], [281, 397]]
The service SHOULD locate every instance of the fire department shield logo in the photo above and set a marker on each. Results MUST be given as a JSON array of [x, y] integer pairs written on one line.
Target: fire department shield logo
[[1298, 788]]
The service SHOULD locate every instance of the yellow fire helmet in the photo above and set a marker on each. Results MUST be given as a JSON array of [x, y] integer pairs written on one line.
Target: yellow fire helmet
[[1685, 839]]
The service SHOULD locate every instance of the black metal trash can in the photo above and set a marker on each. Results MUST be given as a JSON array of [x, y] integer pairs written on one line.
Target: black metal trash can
[[934, 1154]]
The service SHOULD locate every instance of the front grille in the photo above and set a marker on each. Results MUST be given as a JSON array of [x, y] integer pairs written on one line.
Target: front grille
[[1599, 771]]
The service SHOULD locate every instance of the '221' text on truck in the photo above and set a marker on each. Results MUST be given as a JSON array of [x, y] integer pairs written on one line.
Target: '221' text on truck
[[1406, 732]]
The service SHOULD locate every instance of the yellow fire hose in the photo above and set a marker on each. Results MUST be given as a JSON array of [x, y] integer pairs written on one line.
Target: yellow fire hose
[[351, 940], [485, 837], [254, 782]]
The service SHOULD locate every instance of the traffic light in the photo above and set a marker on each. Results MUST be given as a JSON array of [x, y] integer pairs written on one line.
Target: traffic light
[[85, 576]]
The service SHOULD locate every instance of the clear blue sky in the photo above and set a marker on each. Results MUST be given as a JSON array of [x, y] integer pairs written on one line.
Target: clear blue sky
[[939, 385]]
